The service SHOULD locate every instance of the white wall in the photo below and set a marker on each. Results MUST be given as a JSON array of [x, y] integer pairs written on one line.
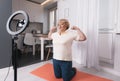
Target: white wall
[[5, 38], [108, 21], [35, 11], [75, 11], [68, 9], [118, 17], [107, 14]]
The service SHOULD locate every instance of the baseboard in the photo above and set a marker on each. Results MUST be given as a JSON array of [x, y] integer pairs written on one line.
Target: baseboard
[[110, 70]]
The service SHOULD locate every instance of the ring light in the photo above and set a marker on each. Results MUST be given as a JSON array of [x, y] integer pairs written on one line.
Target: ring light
[[11, 18], [22, 25]]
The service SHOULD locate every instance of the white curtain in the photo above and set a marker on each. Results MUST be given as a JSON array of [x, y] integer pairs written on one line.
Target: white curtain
[[92, 55], [86, 53], [84, 14]]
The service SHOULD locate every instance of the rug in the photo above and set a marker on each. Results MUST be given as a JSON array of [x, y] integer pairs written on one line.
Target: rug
[[46, 72]]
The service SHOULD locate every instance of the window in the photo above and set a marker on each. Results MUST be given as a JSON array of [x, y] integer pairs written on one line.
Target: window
[[52, 17]]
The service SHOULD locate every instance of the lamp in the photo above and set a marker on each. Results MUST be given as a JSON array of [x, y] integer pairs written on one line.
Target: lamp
[[21, 23], [45, 2], [41, 2]]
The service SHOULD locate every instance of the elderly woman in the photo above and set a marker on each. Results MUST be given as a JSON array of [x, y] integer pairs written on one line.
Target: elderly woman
[[62, 38]]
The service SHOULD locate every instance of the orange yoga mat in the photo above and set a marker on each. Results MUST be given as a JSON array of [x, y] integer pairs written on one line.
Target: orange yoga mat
[[46, 72]]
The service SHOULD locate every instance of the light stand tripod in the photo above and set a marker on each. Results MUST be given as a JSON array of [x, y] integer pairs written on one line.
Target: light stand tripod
[[14, 56], [14, 37]]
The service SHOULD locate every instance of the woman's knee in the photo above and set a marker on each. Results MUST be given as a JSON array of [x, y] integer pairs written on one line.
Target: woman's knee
[[58, 75]]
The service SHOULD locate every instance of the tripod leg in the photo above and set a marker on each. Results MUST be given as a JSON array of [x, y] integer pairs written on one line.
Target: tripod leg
[[15, 64], [14, 59]]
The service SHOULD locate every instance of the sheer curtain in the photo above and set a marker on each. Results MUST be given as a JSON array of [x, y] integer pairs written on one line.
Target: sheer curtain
[[84, 14], [92, 55], [86, 53]]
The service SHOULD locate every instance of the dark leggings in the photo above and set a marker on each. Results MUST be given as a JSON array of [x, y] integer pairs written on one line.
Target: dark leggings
[[63, 69]]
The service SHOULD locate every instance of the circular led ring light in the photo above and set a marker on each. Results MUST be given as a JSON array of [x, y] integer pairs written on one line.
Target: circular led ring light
[[10, 19]]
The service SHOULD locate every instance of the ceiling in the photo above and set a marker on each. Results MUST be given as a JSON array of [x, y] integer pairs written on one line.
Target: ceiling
[[37, 1], [45, 3]]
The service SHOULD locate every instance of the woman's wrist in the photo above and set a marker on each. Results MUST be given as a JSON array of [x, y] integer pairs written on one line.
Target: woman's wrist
[[78, 30], [51, 31]]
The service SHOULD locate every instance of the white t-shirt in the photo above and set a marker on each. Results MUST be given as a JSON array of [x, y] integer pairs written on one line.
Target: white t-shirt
[[62, 45]]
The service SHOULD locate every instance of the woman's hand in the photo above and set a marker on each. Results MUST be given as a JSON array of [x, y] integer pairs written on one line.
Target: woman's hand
[[53, 29], [81, 36]]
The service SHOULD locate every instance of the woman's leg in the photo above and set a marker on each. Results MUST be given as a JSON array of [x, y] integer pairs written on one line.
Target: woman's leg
[[67, 71], [57, 68]]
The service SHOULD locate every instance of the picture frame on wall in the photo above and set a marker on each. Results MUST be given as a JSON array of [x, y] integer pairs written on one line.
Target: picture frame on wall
[[66, 13]]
